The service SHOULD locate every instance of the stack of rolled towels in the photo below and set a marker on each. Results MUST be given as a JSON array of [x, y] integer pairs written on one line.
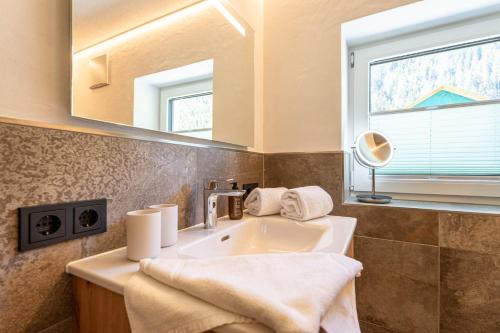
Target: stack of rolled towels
[[301, 204]]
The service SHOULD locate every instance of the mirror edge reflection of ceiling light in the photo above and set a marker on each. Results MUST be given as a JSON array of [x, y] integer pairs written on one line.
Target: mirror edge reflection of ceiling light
[[161, 21], [229, 17]]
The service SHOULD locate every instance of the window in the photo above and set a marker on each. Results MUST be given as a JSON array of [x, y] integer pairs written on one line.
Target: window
[[436, 95], [191, 114], [435, 107]]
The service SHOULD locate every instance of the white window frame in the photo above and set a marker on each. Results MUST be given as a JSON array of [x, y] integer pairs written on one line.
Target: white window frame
[[358, 101], [181, 90]]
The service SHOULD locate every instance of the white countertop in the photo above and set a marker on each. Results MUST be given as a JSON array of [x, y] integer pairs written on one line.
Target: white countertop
[[111, 270]]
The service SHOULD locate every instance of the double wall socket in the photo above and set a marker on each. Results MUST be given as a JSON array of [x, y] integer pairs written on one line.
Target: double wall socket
[[49, 224]]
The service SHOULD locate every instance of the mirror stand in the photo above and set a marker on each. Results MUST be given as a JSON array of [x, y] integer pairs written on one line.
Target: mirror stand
[[374, 198]]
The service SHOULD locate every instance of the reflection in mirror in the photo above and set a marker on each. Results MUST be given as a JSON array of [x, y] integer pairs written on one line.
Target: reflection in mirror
[[180, 66], [373, 149], [177, 100]]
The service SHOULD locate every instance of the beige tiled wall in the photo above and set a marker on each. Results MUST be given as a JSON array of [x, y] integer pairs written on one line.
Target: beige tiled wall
[[424, 271], [39, 165]]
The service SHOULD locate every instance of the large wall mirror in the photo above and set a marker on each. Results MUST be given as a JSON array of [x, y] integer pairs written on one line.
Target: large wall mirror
[[178, 66]]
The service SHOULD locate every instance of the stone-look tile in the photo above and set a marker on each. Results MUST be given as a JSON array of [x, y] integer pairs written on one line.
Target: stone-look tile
[[477, 233], [42, 166], [303, 169], [244, 167], [407, 225], [470, 292], [113, 238], [35, 292], [371, 328], [398, 288], [65, 326], [325, 170]]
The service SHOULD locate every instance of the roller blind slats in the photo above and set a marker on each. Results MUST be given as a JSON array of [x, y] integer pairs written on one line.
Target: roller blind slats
[[462, 141]]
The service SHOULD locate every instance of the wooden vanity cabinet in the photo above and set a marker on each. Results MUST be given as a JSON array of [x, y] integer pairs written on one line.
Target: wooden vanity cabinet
[[97, 309]]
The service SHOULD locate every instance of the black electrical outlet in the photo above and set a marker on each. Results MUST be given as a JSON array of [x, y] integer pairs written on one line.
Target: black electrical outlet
[[89, 218], [249, 188], [49, 224]]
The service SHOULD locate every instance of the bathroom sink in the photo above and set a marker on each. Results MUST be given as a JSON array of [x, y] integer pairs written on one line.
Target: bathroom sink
[[272, 234], [250, 235]]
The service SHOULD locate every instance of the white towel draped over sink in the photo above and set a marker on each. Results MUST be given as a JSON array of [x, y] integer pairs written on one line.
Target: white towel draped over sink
[[289, 293]]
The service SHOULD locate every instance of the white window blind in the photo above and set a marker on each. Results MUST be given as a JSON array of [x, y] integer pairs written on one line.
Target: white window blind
[[462, 141]]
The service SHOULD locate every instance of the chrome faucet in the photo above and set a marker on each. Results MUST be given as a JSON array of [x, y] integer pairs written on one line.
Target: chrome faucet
[[211, 193]]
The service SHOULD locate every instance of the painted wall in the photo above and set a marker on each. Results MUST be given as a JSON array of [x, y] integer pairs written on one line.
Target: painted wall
[[34, 53], [253, 12], [302, 91]]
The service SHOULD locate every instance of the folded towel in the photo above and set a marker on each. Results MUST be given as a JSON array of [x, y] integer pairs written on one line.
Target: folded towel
[[199, 295], [306, 203], [265, 201]]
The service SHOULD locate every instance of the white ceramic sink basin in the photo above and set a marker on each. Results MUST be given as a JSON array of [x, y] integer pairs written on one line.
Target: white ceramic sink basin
[[273, 234], [268, 234]]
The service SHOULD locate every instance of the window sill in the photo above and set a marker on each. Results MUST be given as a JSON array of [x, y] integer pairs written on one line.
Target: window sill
[[432, 206]]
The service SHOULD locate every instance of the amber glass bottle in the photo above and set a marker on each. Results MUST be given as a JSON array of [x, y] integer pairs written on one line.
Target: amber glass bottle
[[235, 205]]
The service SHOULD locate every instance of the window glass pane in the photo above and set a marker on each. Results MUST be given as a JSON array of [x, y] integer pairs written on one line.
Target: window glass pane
[[463, 75], [191, 113]]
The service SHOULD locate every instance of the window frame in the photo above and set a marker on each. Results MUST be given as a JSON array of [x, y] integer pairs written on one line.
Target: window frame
[[429, 40], [184, 89]]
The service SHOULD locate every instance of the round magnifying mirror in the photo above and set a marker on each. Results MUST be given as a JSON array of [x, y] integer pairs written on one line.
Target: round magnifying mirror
[[373, 150]]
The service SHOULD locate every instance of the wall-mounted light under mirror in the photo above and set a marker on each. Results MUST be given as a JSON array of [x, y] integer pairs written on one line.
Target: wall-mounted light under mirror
[[182, 66]]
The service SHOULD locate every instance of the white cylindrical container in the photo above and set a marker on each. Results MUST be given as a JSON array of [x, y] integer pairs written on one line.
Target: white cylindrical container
[[169, 219], [143, 234]]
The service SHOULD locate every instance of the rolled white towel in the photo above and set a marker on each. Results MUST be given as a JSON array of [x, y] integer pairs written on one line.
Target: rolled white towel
[[306, 203], [265, 201]]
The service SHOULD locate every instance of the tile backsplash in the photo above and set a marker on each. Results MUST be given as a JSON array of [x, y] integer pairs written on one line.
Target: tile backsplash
[[40, 166]]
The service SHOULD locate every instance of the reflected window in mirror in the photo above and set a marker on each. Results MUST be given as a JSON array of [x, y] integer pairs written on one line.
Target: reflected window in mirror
[[191, 115]]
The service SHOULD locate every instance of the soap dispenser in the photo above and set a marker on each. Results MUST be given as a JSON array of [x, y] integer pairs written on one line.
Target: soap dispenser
[[235, 205]]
